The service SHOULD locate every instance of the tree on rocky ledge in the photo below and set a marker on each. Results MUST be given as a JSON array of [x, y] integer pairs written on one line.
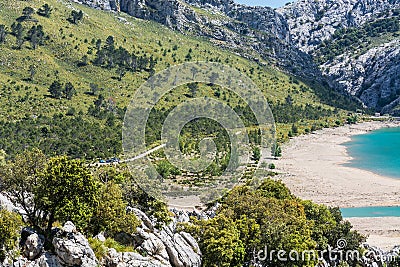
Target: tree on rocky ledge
[[111, 215], [66, 192]]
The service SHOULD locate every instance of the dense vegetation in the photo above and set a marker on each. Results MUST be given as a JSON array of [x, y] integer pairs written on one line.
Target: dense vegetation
[[10, 225], [75, 136], [270, 216]]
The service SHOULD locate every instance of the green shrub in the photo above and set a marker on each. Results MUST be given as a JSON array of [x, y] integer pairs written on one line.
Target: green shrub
[[10, 225], [110, 215], [271, 166]]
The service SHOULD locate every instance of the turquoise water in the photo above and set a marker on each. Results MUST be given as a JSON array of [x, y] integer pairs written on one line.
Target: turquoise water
[[378, 151], [371, 212]]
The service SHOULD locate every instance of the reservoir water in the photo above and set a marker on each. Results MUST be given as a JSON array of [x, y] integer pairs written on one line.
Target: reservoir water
[[378, 152], [371, 212]]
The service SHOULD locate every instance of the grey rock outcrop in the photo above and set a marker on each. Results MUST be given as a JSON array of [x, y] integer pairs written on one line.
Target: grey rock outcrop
[[131, 259], [31, 243], [72, 248], [168, 246], [312, 22], [45, 260], [369, 71], [33, 246], [164, 247], [377, 257], [374, 77]]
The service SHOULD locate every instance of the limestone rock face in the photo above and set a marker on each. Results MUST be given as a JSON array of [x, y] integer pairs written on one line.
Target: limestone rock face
[[312, 22], [45, 260], [370, 70], [374, 77], [167, 246], [130, 259], [31, 243], [33, 246], [72, 248], [164, 247]]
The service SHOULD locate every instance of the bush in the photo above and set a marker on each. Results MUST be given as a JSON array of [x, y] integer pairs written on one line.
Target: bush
[[220, 242], [10, 225], [110, 215], [271, 166]]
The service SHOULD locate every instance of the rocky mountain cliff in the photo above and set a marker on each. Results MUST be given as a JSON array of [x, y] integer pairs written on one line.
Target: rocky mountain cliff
[[312, 22], [317, 40], [361, 39]]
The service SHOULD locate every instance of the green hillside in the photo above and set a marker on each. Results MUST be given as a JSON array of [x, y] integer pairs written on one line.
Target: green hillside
[[86, 121]]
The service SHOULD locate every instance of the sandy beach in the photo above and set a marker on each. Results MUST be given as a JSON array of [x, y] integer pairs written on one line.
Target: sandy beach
[[313, 167]]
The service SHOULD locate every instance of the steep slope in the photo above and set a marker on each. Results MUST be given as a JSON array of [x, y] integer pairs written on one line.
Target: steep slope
[[355, 43], [250, 31]]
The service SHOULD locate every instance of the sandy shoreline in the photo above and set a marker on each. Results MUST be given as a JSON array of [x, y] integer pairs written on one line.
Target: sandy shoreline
[[313, 168]]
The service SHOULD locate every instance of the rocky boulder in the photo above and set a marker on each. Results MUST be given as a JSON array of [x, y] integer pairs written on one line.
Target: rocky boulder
[[131, 259], [72, 248], [31, 243], [33, 246], [45, 260], [167, 245]]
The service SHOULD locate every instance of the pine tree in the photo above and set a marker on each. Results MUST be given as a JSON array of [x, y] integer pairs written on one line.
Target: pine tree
[[45, 11], [55, 89], [27, 12], [18, 31], [69, 90], [121, 71], [76, 16], [32, 72], [36, 36], [3, 33]]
